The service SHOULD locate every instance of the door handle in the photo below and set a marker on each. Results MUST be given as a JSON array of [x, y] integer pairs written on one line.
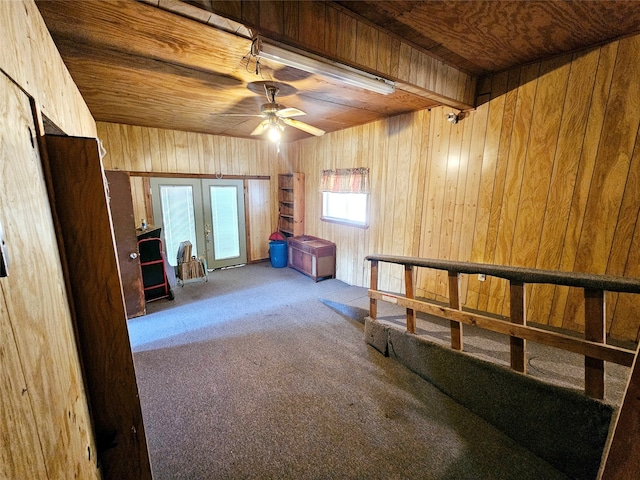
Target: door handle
[[133, 255]]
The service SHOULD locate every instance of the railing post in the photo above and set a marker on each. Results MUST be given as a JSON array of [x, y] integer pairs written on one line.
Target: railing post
[[518, 313], [622, 457], [594, 331], [373, 303], [454, 302], [408, 286]]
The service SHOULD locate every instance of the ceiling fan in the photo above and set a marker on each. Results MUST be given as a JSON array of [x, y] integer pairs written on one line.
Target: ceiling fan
[[276, 116]]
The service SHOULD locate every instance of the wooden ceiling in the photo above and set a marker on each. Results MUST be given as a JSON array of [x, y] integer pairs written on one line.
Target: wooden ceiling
[[487, 36], [146, 63]]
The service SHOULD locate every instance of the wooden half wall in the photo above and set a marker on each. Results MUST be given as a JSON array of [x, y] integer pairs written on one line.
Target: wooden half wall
[[142, 150], [543, 174]]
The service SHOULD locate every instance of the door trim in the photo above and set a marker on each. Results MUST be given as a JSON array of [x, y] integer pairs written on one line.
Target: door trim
[[202, 210], [148, 207], [242, 219], [199, 175]]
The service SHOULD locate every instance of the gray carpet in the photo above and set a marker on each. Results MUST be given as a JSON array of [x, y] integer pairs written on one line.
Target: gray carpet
[[251, 375]]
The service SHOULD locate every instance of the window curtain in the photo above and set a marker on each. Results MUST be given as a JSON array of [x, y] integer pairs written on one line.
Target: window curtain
[[345, 180]]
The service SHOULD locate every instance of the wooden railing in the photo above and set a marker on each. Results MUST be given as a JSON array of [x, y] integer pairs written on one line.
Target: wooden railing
[[593, 346]]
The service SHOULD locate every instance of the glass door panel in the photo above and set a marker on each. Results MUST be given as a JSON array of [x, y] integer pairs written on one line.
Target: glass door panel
[[224, 213], [177, 203]]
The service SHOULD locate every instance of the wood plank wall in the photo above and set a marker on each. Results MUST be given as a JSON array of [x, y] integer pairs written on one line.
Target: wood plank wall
[[395, 151], [46, 427], [152, 150], [336, 33], [43, 406], [31, 59], [544, 173]]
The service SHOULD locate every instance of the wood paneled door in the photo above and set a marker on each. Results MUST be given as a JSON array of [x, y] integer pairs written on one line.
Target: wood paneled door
[[121, 206], [87, 242]]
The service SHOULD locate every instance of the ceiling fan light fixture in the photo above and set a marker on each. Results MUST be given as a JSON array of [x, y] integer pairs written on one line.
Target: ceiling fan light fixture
[[274, 133], [276, 116], [337, 71]]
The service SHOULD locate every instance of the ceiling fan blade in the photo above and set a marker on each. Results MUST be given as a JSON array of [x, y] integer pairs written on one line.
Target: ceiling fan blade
[[303, 126], [260, 128], [289, 112], [237, 115]]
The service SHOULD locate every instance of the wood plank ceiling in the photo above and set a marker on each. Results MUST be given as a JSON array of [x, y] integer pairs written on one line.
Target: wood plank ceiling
[[483, 37], [185, 65]]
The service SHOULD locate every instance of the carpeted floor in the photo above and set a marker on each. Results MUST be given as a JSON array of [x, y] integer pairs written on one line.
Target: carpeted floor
[[262, 373]]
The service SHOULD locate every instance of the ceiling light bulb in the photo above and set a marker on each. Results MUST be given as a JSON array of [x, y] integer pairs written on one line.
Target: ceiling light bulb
[[274, 133]]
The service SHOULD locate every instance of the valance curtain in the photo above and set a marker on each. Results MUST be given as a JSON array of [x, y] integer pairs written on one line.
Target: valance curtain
[[345, 180]]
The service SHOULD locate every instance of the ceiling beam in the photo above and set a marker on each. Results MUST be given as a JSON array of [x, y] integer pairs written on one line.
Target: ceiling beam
[[338, 35]]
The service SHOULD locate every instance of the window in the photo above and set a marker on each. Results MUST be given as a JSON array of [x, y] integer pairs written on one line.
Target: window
[[345, 196], [345, 208]]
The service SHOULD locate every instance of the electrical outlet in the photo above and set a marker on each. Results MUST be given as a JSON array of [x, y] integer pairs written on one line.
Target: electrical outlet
[[4, 258], [482, 277]]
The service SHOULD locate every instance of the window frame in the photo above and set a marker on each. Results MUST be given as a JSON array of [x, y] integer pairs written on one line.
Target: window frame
[[345, 221]]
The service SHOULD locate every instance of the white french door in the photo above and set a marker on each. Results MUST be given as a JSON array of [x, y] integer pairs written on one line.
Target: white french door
[[209, 213]]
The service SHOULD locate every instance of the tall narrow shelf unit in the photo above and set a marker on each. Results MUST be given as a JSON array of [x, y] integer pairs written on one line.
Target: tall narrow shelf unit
[[291, 204]]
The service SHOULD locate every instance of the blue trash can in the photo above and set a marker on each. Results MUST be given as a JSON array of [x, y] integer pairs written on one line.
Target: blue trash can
[[278, 253]]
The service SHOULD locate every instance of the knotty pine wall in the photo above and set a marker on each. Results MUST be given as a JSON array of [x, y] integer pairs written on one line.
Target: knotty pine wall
[[44, 415], [544, 173], [151, 150]]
